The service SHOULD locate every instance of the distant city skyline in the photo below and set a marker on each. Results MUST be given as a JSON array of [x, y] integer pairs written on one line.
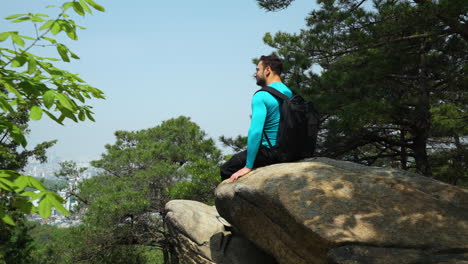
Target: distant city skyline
[[47, 170], [159, 60]]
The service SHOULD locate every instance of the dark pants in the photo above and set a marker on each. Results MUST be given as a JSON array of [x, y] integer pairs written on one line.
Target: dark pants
[[265, 156]]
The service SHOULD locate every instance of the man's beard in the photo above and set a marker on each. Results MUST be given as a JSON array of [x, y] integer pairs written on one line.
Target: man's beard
[[261, 82]]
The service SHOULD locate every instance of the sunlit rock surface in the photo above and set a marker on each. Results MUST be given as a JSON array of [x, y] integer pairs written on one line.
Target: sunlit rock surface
[[318, 211]]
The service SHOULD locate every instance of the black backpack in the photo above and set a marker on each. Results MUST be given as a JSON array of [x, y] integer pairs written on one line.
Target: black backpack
[[298, 127]]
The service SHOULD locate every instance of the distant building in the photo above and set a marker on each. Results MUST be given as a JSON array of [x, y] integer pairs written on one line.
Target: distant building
[[47, 171]]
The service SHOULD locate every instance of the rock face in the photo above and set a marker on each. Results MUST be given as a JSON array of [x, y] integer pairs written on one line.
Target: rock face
[[200, 237], [328, 211], [191, 225]]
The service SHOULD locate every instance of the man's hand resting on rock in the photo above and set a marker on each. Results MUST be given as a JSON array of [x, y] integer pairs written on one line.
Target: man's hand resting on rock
[[239, 174]]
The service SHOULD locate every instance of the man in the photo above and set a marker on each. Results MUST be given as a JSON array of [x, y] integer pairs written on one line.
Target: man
[[265, 120]]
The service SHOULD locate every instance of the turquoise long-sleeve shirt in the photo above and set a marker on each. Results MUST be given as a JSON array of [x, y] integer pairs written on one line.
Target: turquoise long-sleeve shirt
[[265, 116]]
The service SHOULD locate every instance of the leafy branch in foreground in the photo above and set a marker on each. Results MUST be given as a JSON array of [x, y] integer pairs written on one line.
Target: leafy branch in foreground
[[31, 83], [11, 181]]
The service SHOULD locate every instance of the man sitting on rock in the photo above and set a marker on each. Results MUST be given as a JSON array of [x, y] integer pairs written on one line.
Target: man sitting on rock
[[265, 120]]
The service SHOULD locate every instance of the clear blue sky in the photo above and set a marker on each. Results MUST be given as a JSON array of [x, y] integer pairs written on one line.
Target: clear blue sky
[[157, 60]]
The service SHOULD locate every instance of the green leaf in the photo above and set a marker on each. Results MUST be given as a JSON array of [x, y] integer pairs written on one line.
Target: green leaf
[[51, 116], [85, 6], [61, 118], [69, 114], [52, 59], [42, 15], [21, 19], [17, 39], [23, 205], [36, 113], [18, 61], [7, 184], [9, 174], [17, 134], [4, 186], [37, 19], [47, 25], [26, 37], [32, 65], [51, 40], [61, 209], [81, 116], [28, 194], [65, 101], [8, 107], [80, 97], [57, 202], [72, 34], [45, 207], [34, 196], [48, 98], [15, 16], [89, 115], [6, 218], [73, 55], [63, 51], [36, 184], [96, 92], [268, 38], [67, 5], [75, 76], [4, 36], [21, 183], [13, 90], [95, 5], [55, 28], [78, 8]]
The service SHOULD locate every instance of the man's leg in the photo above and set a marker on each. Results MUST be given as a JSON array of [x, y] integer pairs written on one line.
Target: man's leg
[[265, 157], [234, 164]]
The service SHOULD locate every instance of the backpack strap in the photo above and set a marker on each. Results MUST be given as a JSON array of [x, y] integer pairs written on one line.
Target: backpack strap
[[267, 139], [274, 92]]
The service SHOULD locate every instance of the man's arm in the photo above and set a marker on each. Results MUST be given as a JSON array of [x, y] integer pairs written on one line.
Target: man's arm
[[259, 112], [254, 139]]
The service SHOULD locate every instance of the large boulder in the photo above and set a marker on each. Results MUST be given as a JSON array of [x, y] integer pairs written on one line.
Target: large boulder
[[328, 211], [200, 236], [191, 225]]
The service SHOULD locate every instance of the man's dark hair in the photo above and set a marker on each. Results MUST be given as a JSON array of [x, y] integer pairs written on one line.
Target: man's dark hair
[[274, 62]]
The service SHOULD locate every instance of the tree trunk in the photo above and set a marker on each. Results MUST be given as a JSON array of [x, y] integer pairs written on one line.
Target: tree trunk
[[422, 116], [169, 252], [166, 256], [458, 161], [174, 257], [403, 155], [420, 154], [170, 255]]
